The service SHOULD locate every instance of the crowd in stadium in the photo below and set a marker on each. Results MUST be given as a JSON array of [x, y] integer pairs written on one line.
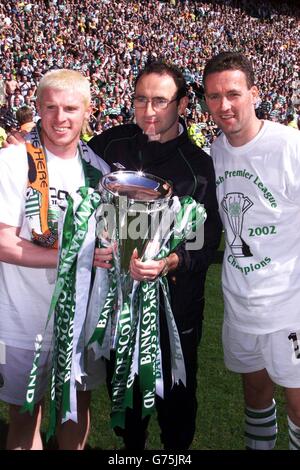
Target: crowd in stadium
[[109, 41]]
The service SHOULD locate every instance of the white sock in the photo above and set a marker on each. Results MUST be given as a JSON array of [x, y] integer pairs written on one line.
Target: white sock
[[260, 428], [294, 435]]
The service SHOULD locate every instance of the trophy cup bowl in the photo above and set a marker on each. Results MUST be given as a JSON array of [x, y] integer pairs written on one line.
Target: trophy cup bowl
[[139, 200]]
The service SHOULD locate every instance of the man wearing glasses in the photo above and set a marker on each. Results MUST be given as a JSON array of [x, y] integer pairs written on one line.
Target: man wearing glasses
[[158, 144]]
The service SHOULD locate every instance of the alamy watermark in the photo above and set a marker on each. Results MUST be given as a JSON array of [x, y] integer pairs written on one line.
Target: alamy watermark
[[156, 220]]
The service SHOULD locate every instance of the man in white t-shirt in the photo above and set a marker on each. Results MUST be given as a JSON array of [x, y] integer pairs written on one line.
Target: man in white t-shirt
[[27, 269], [257, 165]]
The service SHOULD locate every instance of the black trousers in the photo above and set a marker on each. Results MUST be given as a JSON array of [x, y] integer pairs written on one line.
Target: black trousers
[[177, 411]]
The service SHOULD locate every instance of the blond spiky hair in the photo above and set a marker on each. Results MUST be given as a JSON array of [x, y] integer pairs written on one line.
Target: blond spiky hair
[[65, 79]]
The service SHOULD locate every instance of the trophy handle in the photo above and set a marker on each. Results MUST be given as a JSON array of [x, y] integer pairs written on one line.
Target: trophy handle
[[247, 204], [224, 206]]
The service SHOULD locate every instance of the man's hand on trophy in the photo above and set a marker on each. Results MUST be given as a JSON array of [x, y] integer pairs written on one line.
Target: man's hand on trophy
[[15, 138], [103, 257], [147, 270]]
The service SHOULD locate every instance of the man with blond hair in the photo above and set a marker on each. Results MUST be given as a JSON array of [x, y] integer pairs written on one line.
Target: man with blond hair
[[36, 178]]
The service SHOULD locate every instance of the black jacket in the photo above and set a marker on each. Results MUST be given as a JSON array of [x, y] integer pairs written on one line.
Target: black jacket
[[191, 172]]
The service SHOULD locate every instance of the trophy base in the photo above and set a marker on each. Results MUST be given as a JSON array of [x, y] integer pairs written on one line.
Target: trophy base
[[237, 251], [241, 251]]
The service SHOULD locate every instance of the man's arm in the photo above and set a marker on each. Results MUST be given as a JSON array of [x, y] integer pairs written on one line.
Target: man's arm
[[16, 250], [13, 185]]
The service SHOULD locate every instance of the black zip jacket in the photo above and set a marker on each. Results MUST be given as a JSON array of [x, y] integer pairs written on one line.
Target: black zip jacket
[[192, 174]]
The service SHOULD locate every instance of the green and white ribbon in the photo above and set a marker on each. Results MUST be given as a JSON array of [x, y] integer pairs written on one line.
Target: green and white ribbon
[[105, 316], [69, 302], [148, 344], [137, 348], [76, 228]]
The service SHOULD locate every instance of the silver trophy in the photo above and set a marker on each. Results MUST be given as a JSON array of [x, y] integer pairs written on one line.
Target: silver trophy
[[134, 214], [235, 205]]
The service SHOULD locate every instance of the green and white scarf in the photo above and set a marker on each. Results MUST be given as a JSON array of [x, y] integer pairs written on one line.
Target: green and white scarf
[[43, 231]]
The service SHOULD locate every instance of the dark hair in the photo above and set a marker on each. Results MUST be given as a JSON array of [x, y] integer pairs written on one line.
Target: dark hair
[[24, 114], [230, 61], [161, 67]]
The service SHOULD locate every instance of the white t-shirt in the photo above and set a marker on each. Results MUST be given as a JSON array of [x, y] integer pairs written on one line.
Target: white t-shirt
[[25, 293], [258, 189]]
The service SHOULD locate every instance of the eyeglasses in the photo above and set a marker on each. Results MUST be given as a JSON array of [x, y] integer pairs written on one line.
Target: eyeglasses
[[141, 102]]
